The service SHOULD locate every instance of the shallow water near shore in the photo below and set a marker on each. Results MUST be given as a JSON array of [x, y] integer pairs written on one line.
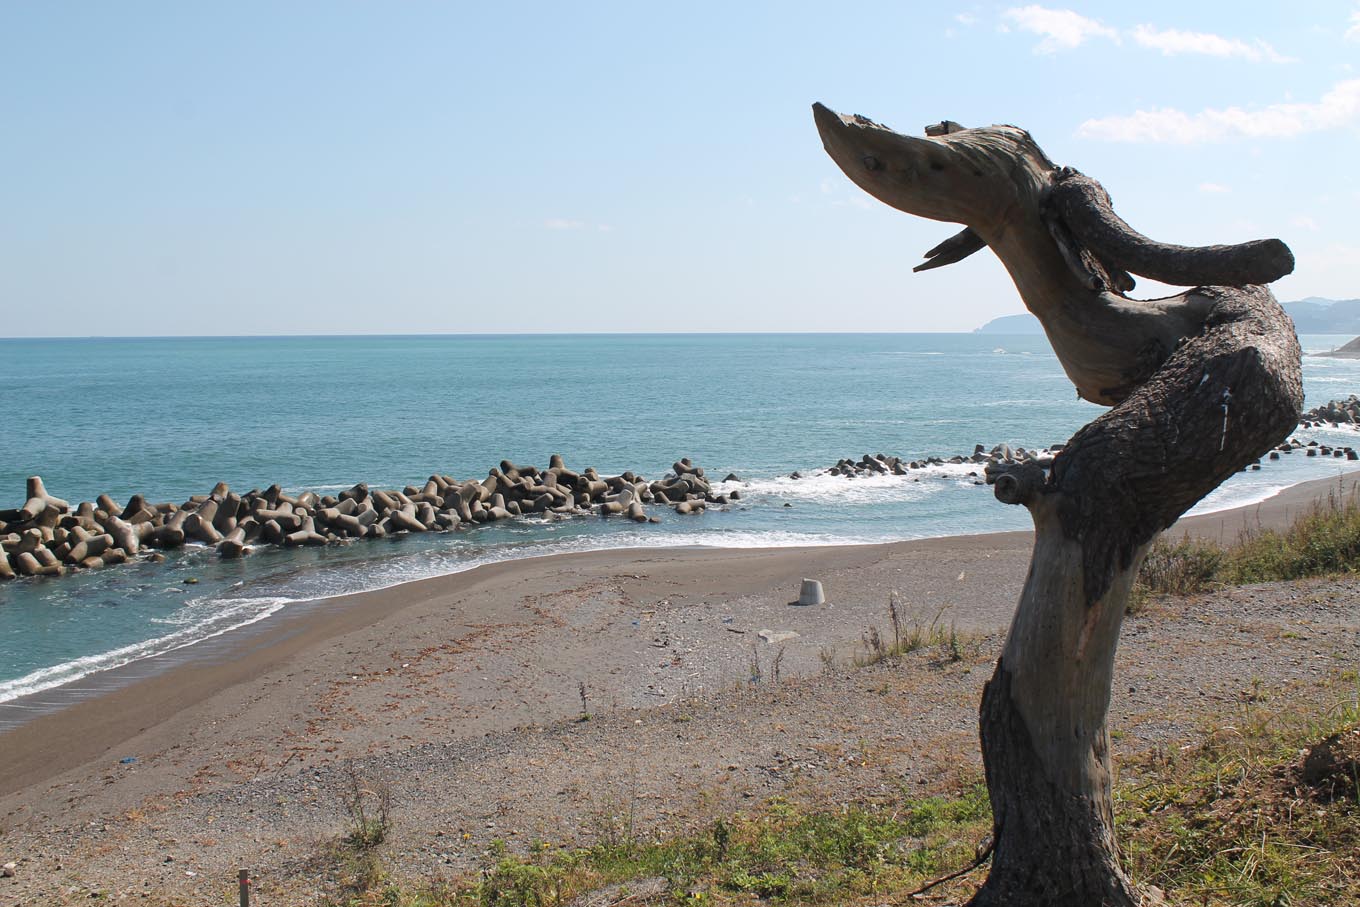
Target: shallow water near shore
[[170, 417]]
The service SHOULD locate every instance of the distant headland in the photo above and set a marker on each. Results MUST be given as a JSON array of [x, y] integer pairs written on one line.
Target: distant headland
[[1313, 315]]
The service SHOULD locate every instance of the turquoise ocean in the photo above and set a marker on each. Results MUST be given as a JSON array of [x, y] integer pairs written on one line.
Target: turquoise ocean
[[170, 417]]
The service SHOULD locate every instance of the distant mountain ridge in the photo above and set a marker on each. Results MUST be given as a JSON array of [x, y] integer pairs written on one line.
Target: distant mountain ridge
[[1313, 315], [1316, 315]]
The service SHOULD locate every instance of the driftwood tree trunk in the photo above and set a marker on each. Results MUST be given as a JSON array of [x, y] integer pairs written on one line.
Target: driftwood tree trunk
[[1202, 384], [1222, 400]]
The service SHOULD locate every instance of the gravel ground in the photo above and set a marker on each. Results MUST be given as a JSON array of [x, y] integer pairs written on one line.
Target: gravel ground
[[678, 730]]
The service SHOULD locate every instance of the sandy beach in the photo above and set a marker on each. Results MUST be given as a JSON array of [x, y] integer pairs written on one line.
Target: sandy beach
[[462, 694]]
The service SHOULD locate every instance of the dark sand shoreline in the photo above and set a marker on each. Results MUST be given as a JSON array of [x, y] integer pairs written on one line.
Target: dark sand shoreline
[[114, 705], [462, 692], [79, 732]]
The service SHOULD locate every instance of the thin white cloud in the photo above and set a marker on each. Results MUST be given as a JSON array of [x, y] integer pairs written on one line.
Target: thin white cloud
[[1304, 222], [1213, 188], [1337, 108], [1061, 29], [966, 19], [1353, 33], [1171, 41], [1065, 29]]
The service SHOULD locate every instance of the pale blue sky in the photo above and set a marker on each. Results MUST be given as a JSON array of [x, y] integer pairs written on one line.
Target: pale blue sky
[[261, 168]]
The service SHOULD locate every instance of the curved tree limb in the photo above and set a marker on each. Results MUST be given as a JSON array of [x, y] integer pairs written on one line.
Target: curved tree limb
[[1222, 400], [1085, 207]]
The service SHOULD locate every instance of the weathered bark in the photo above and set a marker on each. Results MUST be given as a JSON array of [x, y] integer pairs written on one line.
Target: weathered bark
[[1085, 207], [1203, 383], [1222, 400]]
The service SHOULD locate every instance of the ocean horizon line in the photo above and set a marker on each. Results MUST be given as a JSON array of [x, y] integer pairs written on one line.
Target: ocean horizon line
[[526, 334], [474, 334]]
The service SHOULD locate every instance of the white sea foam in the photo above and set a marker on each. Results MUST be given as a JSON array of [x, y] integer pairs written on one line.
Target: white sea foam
[[232, 614], [1254, 487], [1342, 431], [1228, 497], [829, 488]]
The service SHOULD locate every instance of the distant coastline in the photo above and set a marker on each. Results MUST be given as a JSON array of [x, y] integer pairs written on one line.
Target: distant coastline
[[1313, 315]]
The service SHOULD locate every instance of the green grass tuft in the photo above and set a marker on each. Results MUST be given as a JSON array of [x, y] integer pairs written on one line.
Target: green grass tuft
[[781, 852], [1235, 820], [1322, 542], [908, 638]]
